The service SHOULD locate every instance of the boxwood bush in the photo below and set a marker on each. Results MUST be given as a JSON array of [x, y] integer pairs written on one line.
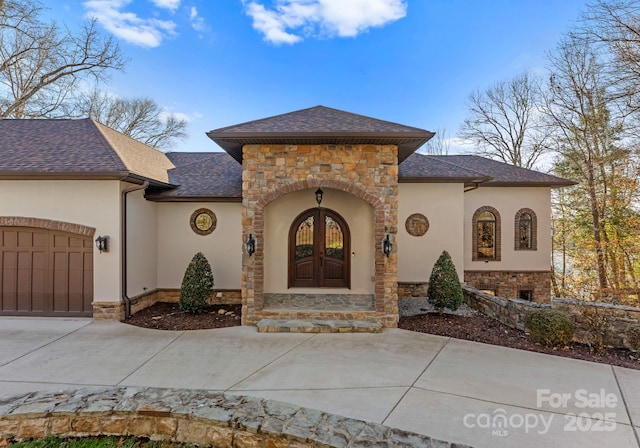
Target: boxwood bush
[[197, 285], [550, 327]]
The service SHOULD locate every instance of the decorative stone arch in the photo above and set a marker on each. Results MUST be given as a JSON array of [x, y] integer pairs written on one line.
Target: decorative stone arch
[[254, 266], [49, 224], [534, 229], [474, 234]]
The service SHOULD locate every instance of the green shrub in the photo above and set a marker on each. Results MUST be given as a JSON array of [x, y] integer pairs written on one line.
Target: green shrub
[[444, 285], [550, 327], [197, 285], [633, 337]]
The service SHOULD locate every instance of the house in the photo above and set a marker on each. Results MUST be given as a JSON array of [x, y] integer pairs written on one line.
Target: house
[[301, 208]]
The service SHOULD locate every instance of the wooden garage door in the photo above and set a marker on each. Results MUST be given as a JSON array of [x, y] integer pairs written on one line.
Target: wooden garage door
[[45, 273]]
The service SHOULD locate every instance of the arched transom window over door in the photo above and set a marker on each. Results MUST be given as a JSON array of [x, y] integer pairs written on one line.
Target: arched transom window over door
[[319, 250]]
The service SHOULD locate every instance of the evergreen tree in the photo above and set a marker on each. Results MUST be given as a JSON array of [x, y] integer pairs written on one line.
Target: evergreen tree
[[197, 285], [444, 290]]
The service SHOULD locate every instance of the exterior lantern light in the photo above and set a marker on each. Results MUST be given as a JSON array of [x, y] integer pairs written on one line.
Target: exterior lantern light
[[386, 245], [250, 245], [319, 194], [102, 243]]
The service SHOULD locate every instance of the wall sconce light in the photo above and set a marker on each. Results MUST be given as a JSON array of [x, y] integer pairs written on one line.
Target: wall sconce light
[[250, 245], [102, 243], [386, 245], [319, 194]]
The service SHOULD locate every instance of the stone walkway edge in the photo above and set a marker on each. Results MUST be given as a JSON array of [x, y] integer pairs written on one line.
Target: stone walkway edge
[[191, 416]]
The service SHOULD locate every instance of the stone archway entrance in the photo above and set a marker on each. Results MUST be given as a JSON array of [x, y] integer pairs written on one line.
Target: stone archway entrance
[[319, 250]]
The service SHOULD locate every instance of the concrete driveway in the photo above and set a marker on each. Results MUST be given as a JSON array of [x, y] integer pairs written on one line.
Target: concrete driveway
[[454, 390]]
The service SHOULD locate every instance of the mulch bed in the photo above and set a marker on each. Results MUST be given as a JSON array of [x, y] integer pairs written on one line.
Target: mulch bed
[[169, 316], [480, 328], [477, 328]]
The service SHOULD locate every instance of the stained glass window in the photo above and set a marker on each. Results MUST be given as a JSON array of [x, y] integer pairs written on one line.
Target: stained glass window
[[486, 235], [525, 231], [333, 239], [304, 238]]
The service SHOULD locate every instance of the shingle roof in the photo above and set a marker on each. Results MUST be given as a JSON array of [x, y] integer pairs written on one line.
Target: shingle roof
[[87, 149], [75, 148], [137, 157], [421, 167], [504, 174], [320, 125], [202, 175]]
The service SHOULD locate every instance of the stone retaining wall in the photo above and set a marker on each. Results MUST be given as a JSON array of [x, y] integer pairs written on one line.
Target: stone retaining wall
[[619, 318], [511, 312], [508, 311], [188, 416]]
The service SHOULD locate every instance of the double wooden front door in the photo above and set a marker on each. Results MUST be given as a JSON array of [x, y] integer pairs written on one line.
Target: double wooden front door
[[319, 250]]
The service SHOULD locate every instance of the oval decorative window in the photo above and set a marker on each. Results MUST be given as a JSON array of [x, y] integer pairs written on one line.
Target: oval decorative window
[[203, 221], [417, 224]]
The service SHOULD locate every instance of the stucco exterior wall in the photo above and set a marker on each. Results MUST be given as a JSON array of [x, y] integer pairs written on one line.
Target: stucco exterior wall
[[142, 254], [443, 205], [279, 215], [177, 243], [508, 200], [91, 203]]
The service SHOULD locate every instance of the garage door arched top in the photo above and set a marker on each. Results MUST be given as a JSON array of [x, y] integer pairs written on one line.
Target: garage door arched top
[[61, 226]]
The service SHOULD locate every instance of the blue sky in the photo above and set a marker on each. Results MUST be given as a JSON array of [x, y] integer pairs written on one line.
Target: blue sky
[[223, 62]]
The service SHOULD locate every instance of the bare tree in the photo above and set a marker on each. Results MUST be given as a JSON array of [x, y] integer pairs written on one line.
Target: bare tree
[[615, 25], [139, 118], [578, 108], [504, 121], [41, 64], [439, 144]]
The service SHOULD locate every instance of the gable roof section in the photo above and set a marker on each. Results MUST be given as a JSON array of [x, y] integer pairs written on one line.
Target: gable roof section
[[212, 176], [319, 125], [504, 174], [137, 157], [80, 149]]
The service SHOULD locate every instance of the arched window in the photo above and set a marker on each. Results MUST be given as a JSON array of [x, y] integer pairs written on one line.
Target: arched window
[[526, 231], [486, 234]]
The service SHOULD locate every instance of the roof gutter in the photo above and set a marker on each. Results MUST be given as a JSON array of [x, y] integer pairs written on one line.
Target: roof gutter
[[475, 186], [123, 252]]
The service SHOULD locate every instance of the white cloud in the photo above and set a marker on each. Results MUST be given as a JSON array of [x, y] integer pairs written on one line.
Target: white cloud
[[197, 22], [171, 5], [145, 32], [287, 21]]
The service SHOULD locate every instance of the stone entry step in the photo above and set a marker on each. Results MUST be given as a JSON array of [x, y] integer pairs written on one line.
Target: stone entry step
[[318, 326]]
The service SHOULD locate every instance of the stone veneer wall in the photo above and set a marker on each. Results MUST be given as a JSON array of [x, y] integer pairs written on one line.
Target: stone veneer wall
[[511, 312], [412, 290], [203, 418], [508, 283], [369, 172], [115, 311], [229, 297]]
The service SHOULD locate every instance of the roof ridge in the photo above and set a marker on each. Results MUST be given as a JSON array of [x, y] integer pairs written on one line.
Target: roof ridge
[[320, 107], [263, 119], [110, 150]]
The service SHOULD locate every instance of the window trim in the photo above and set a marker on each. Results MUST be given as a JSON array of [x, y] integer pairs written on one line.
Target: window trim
[[474, 235], [534, 230]]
